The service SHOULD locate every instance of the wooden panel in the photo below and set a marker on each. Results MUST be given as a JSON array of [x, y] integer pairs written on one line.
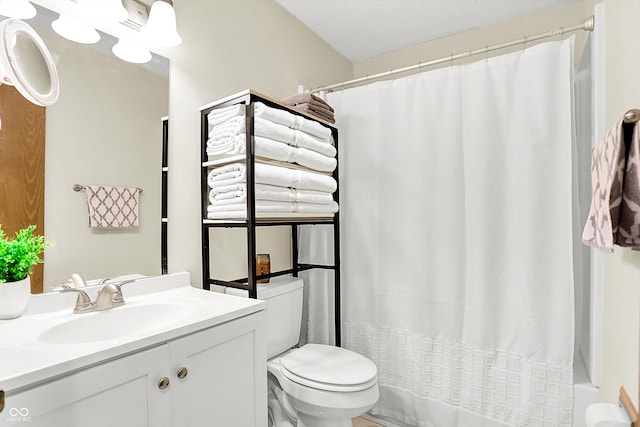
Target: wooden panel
[[631, 411], [22, 149]]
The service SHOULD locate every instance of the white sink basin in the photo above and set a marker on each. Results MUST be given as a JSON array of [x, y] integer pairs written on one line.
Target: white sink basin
[[116, 323]]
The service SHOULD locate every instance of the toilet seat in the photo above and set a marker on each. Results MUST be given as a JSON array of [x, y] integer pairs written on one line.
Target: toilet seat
[[329, 368]]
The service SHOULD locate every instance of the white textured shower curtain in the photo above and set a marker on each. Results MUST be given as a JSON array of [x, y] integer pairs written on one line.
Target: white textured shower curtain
[[456, 240]]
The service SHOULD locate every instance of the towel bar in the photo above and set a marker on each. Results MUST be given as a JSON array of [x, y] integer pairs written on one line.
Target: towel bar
[[78, 187], [632, 116]]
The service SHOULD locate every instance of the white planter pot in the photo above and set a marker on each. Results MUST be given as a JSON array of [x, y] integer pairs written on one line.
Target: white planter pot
[[14, 298]]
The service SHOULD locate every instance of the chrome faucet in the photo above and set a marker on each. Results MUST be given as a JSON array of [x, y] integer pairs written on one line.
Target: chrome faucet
[[110, 295], [83, 303]]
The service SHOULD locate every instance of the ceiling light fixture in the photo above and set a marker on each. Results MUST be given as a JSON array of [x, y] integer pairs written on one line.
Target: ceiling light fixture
[[161, 26], [105, 10], [74, 30], [21, 9], [131, 52]]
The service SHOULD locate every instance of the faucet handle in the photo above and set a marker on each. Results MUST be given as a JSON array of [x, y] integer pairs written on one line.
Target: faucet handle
[[105, 280], [60, 288], [83, 302], [78, 281]]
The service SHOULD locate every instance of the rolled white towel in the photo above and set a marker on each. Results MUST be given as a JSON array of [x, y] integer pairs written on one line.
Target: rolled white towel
[[219, 115], [230, 174], [223, 143], [234, 124], [221, 189], [227, 198]]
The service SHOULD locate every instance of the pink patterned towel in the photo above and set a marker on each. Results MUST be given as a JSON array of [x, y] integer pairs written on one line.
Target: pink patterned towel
[[629, 222], [614, 215], [112, 207]]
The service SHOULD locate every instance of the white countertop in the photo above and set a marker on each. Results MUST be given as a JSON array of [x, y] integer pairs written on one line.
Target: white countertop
[[26, 359]]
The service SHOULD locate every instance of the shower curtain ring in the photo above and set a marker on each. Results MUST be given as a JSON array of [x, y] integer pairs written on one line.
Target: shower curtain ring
[[524, 44], [486, 52], [451, 60]]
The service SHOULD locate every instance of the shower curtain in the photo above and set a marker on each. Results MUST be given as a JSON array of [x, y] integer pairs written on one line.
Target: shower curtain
[[456, 240]]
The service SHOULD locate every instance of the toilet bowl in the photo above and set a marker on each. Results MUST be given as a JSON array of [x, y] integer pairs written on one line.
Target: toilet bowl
[[325, 385], [315, 385]]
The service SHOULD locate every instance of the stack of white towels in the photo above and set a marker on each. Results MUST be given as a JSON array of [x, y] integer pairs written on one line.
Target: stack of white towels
[[279, 191]]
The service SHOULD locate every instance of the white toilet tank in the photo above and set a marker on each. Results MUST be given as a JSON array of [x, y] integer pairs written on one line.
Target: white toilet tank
[[283, 296]]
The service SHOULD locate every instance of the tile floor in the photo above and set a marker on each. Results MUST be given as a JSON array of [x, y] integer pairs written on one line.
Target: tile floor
[[363, 422]]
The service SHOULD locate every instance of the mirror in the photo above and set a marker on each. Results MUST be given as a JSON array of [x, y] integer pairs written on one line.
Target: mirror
[[26, 63], [105, 129]]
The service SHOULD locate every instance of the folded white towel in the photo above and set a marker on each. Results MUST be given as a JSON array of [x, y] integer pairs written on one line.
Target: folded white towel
[[267, 129], [237, 194], [293, 137], [229, 143], [219, 115], [271, 208], [292, 121], [272, 192], [276, 150], [274, 175]]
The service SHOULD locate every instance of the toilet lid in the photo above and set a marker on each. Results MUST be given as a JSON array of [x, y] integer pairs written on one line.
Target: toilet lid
[[329, 368]]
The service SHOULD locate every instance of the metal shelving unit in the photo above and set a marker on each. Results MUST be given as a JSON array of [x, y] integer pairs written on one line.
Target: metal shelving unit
[[165, 184], [251, 223]]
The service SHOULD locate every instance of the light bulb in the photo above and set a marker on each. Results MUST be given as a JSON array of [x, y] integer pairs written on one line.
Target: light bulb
[[105, 10], [161, 26], [131, 52], [74, 30], [21, 9]]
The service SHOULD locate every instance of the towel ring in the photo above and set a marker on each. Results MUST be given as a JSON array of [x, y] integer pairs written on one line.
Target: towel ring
[[632, 116]]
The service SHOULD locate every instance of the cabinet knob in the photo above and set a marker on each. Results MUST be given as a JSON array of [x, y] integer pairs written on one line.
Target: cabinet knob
[[163, 383], [182, 372]]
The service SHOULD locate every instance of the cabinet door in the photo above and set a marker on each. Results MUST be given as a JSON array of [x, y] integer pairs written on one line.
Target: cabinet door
[[226, 381], [120, 393]]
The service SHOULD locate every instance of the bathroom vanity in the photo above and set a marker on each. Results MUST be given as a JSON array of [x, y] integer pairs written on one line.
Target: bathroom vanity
[[172, 355]]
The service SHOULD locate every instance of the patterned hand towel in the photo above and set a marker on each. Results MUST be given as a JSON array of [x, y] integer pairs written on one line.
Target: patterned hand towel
[[629, 222], [607, 174], [112, 207]]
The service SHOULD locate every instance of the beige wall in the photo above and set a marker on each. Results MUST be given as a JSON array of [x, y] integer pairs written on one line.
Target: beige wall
[[105, 129], [622, 269], [229, 46]]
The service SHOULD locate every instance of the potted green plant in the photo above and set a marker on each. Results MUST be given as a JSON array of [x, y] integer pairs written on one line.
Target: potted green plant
[[17, 258]]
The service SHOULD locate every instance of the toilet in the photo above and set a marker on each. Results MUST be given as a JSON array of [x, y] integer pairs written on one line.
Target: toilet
[[315, 385]]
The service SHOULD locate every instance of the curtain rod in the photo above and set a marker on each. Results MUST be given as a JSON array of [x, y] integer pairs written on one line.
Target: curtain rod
[[587, 25]]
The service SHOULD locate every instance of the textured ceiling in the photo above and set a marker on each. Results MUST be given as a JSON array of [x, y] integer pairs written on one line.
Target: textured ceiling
[[360, 29]]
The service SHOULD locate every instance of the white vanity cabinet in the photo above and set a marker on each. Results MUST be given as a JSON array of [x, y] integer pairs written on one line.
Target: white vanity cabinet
[[122, 392], [213, 377]]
